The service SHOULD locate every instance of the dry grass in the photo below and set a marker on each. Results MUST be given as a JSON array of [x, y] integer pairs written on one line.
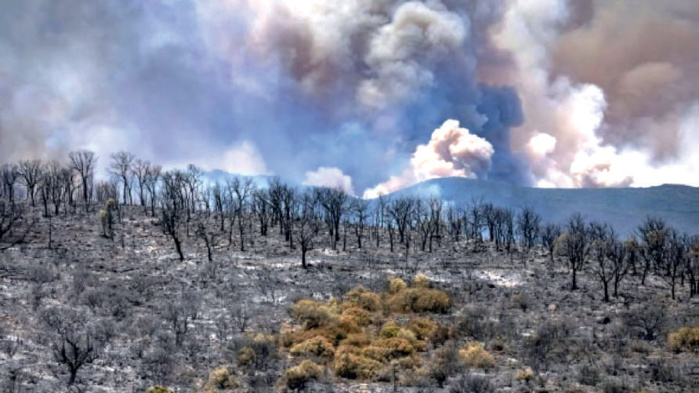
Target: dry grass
[[220, 379], [318, 346], [297, 377], [684, 339], [349, 334], [474, 355]]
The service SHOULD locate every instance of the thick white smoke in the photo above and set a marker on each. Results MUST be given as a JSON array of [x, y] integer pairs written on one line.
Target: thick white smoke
[[451, 152], [329, 177], [603, 107], [603, 93]]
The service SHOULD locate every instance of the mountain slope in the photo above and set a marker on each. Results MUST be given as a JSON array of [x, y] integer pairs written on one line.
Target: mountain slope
[[624, 208]]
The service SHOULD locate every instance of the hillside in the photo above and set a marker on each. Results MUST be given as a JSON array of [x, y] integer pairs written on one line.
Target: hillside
[[622, 207]]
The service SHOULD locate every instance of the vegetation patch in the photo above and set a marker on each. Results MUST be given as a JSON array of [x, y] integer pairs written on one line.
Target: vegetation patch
[[685, 339], [475, 356], [353, 338]]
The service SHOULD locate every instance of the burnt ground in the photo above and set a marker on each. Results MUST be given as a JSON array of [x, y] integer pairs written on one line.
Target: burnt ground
[[127, 289]]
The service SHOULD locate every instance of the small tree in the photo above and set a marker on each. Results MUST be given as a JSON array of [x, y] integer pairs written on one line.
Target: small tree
[[10, 218], [528, 227], [83, 163], [208, 237], [307, 224], [30, 171], [549, 235], [574, 245], [172, 216], [73, 344]]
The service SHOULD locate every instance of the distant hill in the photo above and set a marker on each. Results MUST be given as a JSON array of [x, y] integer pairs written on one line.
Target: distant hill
[[624, 208]]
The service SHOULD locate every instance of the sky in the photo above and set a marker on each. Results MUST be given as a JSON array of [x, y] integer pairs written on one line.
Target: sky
[[367, 95]]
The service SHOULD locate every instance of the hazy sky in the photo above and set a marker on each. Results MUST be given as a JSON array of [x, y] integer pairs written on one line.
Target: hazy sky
[[370, 95]]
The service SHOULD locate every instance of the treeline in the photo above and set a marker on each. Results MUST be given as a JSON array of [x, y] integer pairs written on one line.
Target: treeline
[[188, 206]]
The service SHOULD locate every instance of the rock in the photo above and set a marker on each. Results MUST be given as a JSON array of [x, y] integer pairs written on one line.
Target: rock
[[604, 320], [552, 307]]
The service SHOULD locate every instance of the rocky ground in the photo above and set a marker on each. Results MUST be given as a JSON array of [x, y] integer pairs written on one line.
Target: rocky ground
[[155, 320]]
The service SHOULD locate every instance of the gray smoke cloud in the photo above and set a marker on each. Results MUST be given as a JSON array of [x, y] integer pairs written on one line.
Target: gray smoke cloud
[[566, 93]]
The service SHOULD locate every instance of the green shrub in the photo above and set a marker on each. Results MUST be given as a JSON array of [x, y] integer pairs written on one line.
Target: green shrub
[[159, 389], [364, 298], [423, 328], [220, 379], [357, 340], [246, 356], [353, 366], [421, 281], [685, 339], [396, 285], [317, 346], [420, 300], [388, 349], [311, 314], [390, 330], [475, 356], [299, 376], [362, 316]]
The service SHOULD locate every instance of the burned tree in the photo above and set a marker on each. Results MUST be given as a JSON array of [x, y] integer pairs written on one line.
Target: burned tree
[[574, 246], [549, 234], [83, 163], [306, 224], [140, 171], [528, 227], [173, 205], [30, 172], [653, 235], [602, 239], [261, 207], [240, 191], [73, 344], [9, 174], [333, 201], [121, 168], [401, 210], [359, 210], [10, 218]]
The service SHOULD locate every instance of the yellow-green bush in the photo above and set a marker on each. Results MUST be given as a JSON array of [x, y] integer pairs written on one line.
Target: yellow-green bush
[[348, 324], [334, 334], [353, 366], [685, 339], [420, 300], [297, 377], [430, 300], [525, 375], [388, 349], [410, 337], [423, 328], [390, 330], [396, 285], [246, 355], [475, 356], [363, 317], [317, 346], [364, 298], [310, 313], [220, 379], [356, 340], [159, 389], [421, 281]]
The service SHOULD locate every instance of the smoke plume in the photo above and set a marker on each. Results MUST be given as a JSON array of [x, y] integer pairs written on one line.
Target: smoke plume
[[451, 152], [554, 93]]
